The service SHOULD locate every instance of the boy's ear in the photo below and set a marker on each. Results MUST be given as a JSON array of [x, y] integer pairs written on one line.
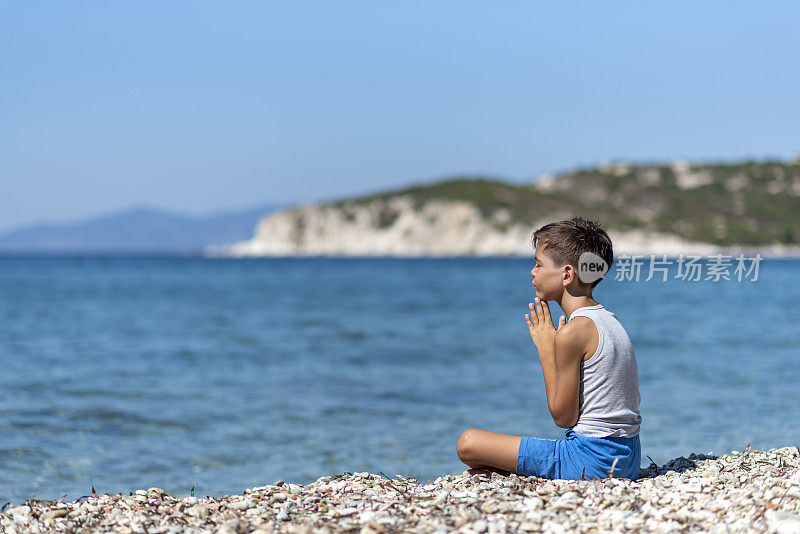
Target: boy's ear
[[569, 275]]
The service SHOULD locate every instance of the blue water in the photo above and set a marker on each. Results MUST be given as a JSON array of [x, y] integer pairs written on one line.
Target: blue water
[[136, 372]]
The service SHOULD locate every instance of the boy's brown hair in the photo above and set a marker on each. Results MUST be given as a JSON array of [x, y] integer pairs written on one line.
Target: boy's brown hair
[[566, 240]]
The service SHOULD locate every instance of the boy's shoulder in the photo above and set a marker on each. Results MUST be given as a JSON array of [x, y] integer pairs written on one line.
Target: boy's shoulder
[[577, 335]]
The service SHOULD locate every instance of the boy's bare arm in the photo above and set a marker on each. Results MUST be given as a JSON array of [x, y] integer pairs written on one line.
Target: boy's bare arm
[[560, 352]]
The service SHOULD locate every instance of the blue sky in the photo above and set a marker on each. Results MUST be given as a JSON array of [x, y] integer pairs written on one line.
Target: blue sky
[[201, 106]]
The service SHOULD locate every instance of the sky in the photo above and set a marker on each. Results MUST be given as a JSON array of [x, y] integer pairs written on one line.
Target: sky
[[199, 106]]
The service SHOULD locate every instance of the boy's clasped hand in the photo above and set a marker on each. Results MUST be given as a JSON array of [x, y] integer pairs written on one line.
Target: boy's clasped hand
[[540, 324]]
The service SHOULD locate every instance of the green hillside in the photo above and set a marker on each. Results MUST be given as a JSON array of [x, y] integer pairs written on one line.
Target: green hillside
[[749, 203]]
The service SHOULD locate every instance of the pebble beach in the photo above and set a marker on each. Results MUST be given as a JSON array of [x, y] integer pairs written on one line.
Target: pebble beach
[[748, 491]]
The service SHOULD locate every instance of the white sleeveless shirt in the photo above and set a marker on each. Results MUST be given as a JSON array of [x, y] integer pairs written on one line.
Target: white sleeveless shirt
[[609, 390]]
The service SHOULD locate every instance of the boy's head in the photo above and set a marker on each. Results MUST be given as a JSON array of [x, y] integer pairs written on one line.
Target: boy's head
[[561, 244]]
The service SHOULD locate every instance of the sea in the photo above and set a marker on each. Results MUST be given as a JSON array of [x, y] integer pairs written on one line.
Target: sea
[[215, 375]]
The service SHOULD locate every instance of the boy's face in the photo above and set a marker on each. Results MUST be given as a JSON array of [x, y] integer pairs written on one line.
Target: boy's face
[[547, 278]]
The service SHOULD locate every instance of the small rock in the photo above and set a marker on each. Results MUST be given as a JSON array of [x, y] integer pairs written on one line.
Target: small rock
[[367, 516], [242, 505], [20, 510], [783, 522], [532, 503], [346, 512], [58, 512], [229, 527]]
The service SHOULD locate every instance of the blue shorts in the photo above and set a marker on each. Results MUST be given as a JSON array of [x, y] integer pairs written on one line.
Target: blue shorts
[[566, 458]]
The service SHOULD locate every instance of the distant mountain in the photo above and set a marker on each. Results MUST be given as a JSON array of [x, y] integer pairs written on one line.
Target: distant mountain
[[135, 230]]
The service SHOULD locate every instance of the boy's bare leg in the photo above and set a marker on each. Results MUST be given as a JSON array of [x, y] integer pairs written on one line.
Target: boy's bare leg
[[486, 452]]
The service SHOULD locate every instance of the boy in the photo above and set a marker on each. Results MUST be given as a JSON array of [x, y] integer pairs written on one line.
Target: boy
[[590, 372]]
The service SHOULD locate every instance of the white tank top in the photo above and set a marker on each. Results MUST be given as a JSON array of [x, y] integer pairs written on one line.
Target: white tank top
[[609, 390]]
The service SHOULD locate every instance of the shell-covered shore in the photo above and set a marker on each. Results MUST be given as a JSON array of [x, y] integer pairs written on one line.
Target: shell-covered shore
[[748, 491]]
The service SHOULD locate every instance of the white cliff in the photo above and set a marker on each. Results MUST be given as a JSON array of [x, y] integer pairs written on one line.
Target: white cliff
[[396, 227]]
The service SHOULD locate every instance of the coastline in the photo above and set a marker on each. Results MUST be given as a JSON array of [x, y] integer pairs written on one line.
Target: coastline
[[748, 491], [478, 242], [772, 252], [399, 227]]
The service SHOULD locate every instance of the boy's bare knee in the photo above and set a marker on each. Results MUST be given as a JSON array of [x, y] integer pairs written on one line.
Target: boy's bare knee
[[466, 444]]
